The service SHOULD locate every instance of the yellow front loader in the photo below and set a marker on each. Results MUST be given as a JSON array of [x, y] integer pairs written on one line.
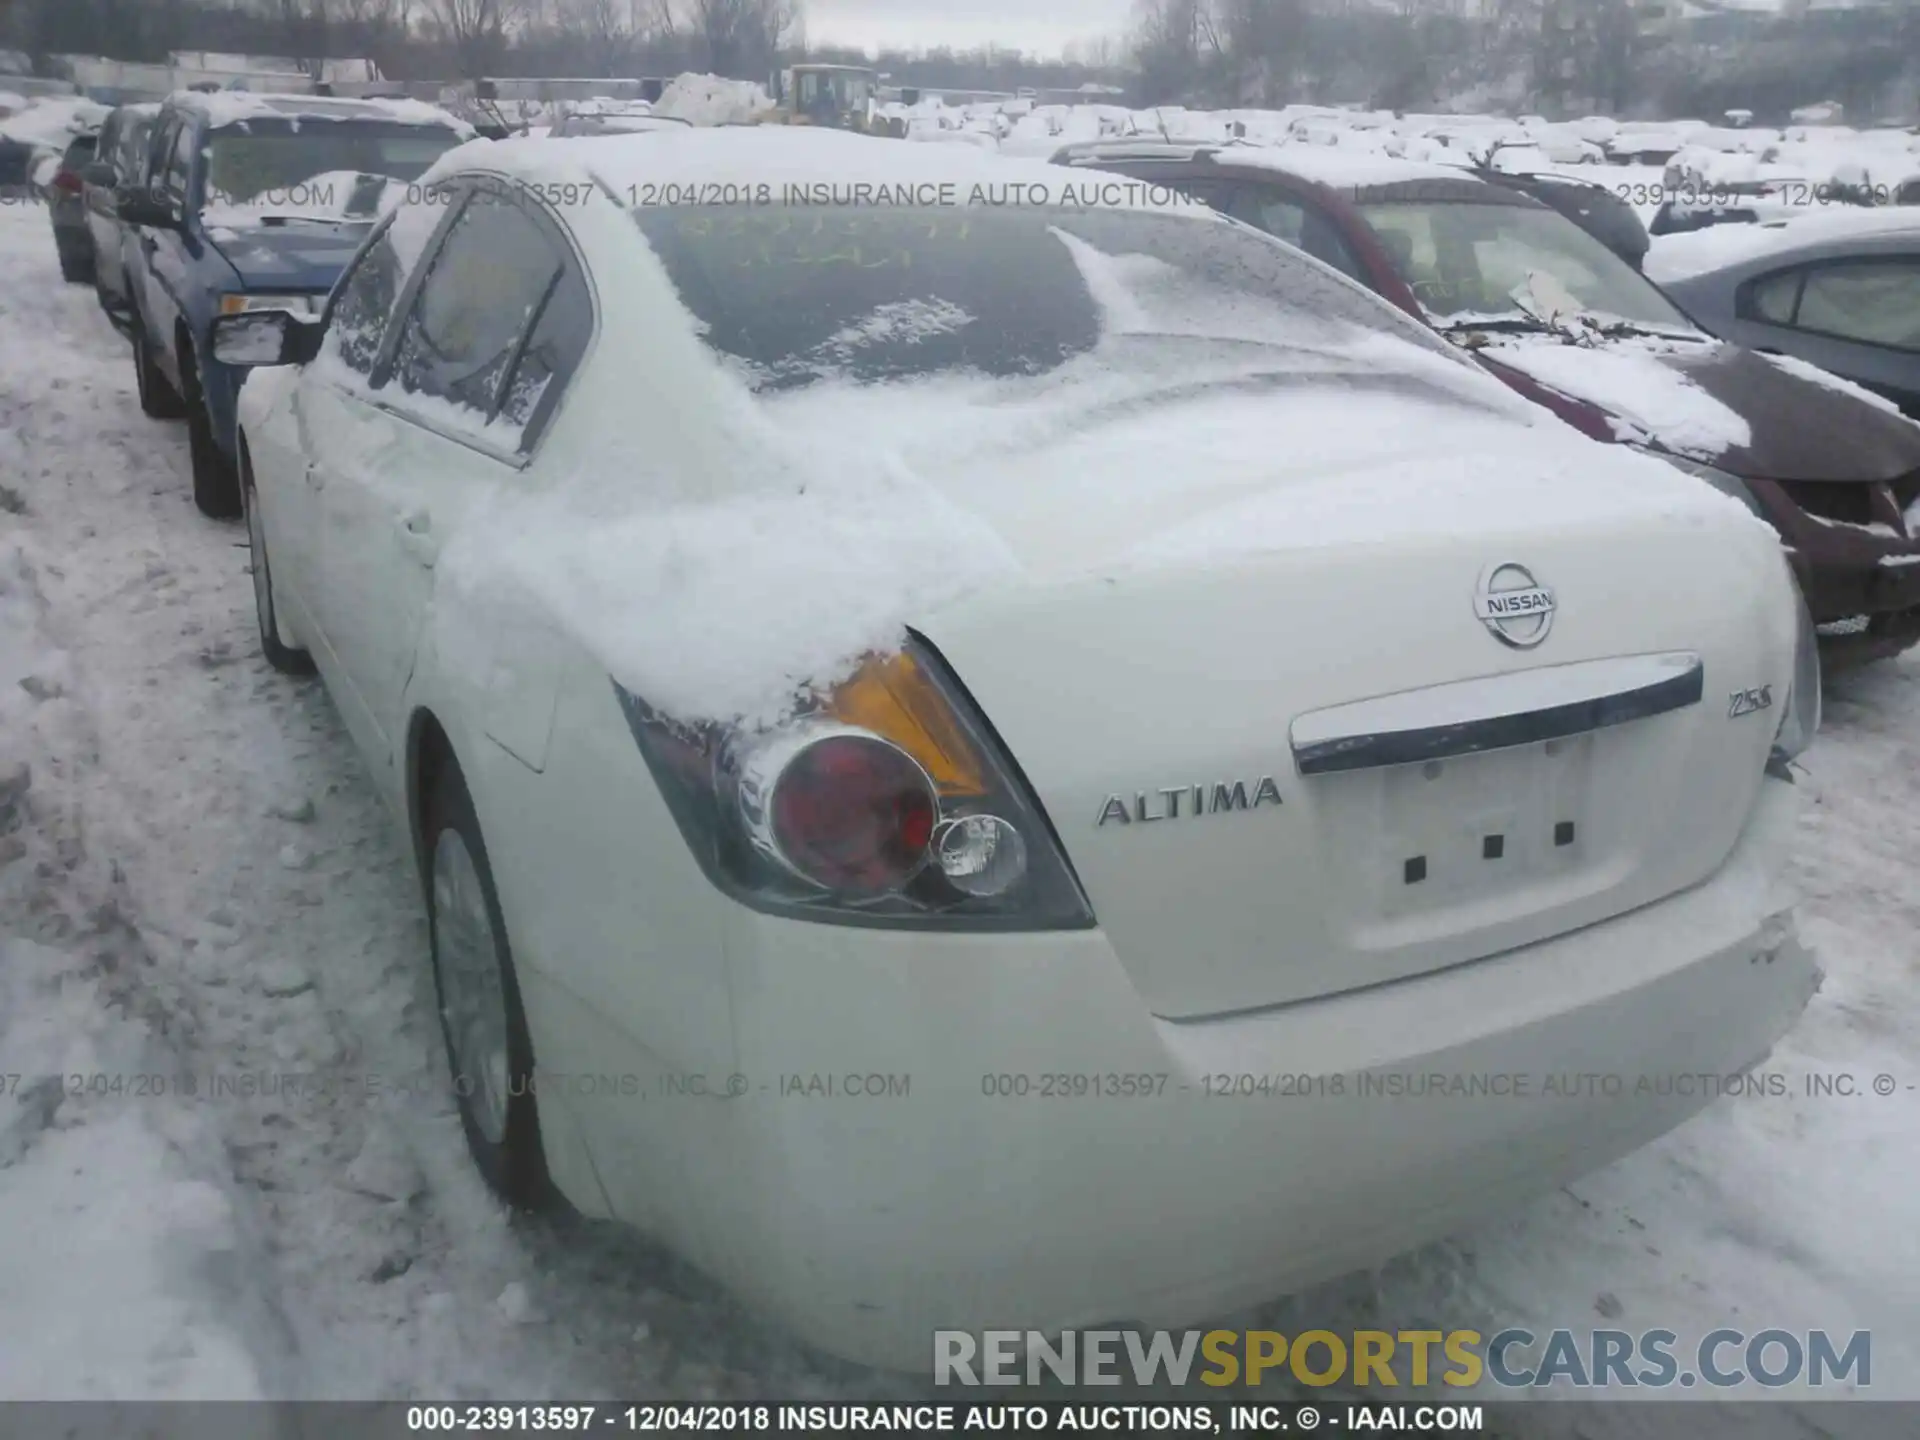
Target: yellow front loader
[[835, 97]]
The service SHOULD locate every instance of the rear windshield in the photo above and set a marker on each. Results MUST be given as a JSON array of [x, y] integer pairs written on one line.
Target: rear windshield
[[799, 294]]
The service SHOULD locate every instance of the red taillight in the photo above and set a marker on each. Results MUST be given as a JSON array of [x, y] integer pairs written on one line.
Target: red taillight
[[852, 813], [69, 182]]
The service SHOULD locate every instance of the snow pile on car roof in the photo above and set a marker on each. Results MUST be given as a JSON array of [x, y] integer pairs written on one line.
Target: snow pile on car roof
[[240, 107], [1696, 252], [712, 100]]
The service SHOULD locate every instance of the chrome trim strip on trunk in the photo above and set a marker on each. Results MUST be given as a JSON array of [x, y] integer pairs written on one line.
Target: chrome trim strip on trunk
[[1497, 712]]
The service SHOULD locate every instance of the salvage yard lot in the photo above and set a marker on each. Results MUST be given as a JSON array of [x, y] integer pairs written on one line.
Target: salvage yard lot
[[263, 917]]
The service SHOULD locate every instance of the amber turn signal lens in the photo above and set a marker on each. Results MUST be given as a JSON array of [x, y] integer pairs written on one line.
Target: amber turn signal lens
[[893, 697]]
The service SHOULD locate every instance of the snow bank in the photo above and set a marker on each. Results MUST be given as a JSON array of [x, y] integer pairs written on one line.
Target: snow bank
[[713, 100], [121, 1254]]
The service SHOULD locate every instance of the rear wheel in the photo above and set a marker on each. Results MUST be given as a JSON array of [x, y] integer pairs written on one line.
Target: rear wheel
[[216, 481], [488, 1049], [158, 399], [284, 658], [76, 266]]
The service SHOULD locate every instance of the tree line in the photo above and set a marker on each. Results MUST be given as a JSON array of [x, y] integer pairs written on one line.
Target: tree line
[[1556, 57]]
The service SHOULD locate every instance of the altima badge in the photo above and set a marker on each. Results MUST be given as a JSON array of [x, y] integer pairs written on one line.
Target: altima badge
[[1750, 702], [1189, 802], [1517, 608]]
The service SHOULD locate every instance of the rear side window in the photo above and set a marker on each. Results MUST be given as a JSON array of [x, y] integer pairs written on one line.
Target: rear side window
[[1774, 298], [131, 157], [1876, 302], [179, 164], [498, 324]]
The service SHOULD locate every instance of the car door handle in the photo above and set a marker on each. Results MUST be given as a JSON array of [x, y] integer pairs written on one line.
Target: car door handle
[[417, 538]]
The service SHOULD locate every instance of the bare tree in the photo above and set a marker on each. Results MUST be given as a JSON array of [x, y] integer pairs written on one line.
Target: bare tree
[[742, 38], [1167, 45], [476, 30]]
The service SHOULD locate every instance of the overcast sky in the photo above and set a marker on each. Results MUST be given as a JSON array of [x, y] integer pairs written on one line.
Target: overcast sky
[[1036, 26]]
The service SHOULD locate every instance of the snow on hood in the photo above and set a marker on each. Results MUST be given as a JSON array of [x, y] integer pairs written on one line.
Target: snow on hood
[[1631, 378]]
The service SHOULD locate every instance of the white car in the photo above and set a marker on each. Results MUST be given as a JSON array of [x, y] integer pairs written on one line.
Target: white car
[[982, 764]]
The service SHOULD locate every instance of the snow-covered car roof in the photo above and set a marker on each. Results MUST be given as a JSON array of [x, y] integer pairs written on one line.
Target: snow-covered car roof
[[1332, 166], [1696, 252], [236, 107], [1336, 167], [740, 159]]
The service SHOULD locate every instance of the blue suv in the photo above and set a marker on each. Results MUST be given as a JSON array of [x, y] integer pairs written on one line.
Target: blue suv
[[252, 202]]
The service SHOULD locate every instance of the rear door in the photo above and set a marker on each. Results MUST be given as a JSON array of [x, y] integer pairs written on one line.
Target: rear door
[[491, 333], [169, 256], [1858, 317], [103, 226]]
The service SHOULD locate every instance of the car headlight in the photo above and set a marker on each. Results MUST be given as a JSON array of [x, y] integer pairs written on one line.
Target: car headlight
[[237, 303], [1800, 720], [1725, 483]]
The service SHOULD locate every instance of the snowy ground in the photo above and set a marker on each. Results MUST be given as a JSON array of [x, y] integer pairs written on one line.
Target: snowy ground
[[195, 879]]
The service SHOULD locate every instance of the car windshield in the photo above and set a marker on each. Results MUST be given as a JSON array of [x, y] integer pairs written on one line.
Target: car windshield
[[274, 165], [809, 293], [1464, 260]]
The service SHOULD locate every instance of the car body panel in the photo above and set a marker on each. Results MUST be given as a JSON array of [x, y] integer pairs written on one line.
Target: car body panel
[[1106, 662], [123, 145]]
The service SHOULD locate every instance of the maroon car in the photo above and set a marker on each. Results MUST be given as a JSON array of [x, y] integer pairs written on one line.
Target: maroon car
[[1563, 320]]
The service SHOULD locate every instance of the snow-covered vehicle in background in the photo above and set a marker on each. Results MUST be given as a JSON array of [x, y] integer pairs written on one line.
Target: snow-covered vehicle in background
[[1565, 321], [762, 702], [1838, 290], [252, 201]]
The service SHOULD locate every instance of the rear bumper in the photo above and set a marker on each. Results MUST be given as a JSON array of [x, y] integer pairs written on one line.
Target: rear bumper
[[866, 1221]]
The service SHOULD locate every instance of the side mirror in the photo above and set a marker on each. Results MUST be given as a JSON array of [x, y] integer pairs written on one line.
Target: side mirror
[[144, 208], [255, 339], [101, 173]]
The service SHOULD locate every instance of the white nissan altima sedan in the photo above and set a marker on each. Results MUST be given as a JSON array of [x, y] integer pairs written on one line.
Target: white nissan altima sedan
[[992, 748]]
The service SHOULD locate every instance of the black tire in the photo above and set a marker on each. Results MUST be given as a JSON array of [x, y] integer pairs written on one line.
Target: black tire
[[216, 479], [514, 1166], [158, 399], [284, 658], [76, 267]]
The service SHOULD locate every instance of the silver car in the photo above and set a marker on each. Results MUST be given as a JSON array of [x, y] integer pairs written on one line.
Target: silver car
[[1839, 291]]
